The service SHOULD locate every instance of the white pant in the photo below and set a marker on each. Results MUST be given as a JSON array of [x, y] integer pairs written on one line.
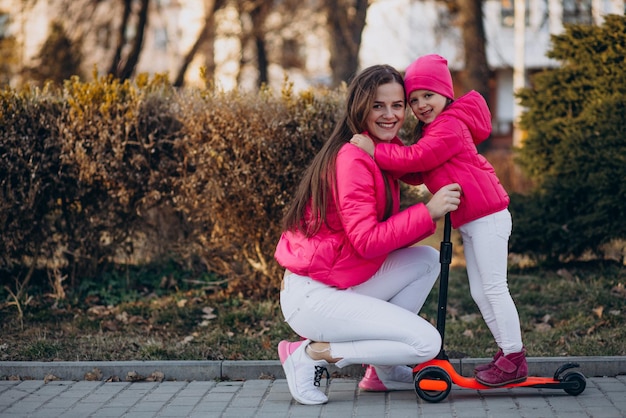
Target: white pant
[[485, 243], [372, 323]]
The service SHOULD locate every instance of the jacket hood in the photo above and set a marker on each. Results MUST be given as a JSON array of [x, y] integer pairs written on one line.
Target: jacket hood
[[472, 110]]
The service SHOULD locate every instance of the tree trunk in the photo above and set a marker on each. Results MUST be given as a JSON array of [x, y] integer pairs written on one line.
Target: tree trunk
[[137, 45], [121, 39], [262, 61], [258, 15], [206, 35], [346, 19], [477, 73]]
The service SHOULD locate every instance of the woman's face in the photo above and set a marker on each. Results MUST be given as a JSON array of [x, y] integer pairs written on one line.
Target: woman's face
[[427, 105], [387, 114]]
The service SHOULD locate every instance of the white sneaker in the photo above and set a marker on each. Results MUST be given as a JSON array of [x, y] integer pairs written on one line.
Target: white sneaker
[[300, 370]]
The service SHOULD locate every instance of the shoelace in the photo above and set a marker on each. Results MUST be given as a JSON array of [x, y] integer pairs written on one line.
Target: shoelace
[[319, 373]]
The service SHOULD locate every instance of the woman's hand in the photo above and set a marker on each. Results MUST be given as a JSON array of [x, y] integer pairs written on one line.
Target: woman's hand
[[364, 142], [446, 200]]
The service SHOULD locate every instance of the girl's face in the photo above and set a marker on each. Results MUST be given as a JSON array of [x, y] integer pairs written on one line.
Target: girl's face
[[387, 114], [427, 105]]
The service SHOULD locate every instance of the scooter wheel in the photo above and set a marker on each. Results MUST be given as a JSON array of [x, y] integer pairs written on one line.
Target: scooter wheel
[[432, 384], [579, 383]]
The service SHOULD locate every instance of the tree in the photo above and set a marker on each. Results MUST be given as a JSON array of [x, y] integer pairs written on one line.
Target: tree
[[258, 14], [575, 150], [346, 20], [477, 73], [124, 67], [205, 39], [58, 58]]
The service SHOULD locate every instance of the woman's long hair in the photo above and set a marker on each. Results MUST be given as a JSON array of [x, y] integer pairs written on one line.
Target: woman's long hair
[[319, 179]]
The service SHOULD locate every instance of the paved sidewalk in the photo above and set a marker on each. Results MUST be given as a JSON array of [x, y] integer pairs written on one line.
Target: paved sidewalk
[[264, 396]]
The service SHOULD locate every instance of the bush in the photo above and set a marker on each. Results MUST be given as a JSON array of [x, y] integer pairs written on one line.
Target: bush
[[110, 172], [121, 145], [31, 179], [245, 157], [574, 150]]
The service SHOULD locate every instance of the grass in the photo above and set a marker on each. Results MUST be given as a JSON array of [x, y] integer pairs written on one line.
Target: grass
[[576, 310]]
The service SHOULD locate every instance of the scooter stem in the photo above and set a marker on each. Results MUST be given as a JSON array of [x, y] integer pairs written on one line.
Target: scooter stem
[[445, 258]]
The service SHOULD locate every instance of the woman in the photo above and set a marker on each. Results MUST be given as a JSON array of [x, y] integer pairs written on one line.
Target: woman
[[353, 282]]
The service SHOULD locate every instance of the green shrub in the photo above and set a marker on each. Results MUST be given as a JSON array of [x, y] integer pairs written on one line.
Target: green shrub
[[575, 151]]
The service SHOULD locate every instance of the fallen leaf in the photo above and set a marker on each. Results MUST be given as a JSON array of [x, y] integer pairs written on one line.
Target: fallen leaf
[[50, 377], [468, 333], [134, 377], [94, 375], [593, 328], [155, 377], [109, 325], [619, 290], [122, 317], [469, 317], [598, 311], [564, 273], [208, 313], [543, 327]]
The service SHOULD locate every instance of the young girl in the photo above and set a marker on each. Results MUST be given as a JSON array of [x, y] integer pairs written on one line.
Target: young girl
[[354, 282], [448, 132]]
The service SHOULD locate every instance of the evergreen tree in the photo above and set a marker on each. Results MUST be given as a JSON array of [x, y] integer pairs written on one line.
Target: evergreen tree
[[575, 148]]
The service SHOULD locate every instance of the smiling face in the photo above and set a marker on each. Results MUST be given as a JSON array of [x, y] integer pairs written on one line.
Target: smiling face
[[427, 105], [386, 116]]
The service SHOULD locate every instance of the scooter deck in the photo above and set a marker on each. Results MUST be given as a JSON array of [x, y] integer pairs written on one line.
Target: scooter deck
[[471, 383]]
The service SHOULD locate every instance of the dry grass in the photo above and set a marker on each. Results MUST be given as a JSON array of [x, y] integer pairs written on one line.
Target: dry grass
[[577, 310]]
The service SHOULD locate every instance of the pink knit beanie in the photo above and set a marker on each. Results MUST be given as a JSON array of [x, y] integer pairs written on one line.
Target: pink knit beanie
[[429, 72]]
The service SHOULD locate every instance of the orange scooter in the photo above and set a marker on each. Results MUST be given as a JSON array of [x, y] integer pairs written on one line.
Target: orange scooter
[[433, 379]]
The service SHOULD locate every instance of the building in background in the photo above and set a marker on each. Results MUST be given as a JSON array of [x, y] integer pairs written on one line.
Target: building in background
[[398, 31]]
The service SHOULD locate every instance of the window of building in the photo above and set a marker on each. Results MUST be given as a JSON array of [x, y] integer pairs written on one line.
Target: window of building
[[507, 13], [577, 11]]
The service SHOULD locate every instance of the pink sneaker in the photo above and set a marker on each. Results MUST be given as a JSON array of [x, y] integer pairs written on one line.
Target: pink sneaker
[[371, 382], [387, 378]]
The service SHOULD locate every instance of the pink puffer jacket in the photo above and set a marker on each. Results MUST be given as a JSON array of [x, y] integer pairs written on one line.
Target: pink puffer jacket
[[447, 153], [356, 242]]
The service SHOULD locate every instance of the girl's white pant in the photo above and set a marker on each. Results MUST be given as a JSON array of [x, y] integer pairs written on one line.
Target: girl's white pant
[[485, 243], [372, 323]]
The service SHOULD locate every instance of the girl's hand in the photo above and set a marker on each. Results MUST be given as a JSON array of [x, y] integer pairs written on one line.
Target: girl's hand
[[446, 200], [364, 142]]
